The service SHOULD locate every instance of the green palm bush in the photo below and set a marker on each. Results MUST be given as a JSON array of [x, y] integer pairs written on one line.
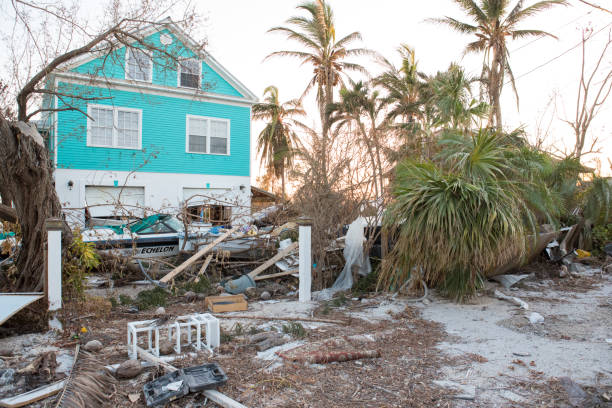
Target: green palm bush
[[455, 227], [459, 216]]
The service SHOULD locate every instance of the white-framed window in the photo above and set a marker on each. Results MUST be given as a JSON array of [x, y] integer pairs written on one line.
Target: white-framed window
[[138, 65], [207, 135], [189, 73], [116, 127]]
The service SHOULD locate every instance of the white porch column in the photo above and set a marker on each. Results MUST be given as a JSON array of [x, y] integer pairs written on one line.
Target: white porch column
[[305, 259], [54, 228]]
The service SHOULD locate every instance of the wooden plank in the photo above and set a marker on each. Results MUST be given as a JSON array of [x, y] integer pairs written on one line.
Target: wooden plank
[[29, 397], [196, 256], [273, 260], [276, 275], [234, 303], [212, 395], [222, 399], [203, 268]]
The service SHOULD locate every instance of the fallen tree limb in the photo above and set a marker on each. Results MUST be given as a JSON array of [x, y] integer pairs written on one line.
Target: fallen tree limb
[[196, 256], [323, 357], [285, 318], [277, 275], [273, 260]]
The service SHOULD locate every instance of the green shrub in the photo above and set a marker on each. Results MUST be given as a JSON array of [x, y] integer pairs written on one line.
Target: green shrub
[[151, 298], [125, 300], [202, 286], [602, 234], [294, 329], [82, 258]]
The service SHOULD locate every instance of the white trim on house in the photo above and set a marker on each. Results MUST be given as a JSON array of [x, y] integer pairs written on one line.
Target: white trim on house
[[188, 42], [178, 74], [115, 110], [55, 147], [151, 89], [209, 120]]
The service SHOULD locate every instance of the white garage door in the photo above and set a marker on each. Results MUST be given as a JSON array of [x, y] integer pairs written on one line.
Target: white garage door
[[104, 201]]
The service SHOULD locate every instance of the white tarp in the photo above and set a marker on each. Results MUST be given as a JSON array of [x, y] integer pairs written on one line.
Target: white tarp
[[354, 256]]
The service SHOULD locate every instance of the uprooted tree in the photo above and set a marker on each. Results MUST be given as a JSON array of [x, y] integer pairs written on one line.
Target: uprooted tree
[[43, 38]]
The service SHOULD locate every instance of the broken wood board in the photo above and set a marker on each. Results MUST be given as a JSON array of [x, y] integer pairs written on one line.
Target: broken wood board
[[203, 268], [233, 303], [29, 397], [196, 256], [276, 275], [273, 260]]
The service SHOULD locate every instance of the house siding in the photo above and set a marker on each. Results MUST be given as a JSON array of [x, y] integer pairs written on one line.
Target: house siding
[[164, 68], [163, 135]]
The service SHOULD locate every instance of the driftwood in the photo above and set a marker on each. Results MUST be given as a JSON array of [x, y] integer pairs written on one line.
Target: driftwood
[[196, 256], [273, 260], [322, 357]]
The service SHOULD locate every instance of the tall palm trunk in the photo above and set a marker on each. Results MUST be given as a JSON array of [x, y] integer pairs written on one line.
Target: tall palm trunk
[[283, 181], [495, 79]]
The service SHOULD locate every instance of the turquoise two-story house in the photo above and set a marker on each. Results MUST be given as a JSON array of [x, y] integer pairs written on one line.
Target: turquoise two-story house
[[149, 132]]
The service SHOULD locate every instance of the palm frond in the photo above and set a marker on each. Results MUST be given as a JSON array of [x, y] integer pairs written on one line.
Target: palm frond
[[515, 17], [456, 25]]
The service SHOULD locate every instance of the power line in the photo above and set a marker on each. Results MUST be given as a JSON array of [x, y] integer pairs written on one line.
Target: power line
[[557, 29], [559, 56]]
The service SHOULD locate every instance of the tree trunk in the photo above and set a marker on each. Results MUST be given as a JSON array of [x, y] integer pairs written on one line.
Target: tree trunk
[[27, 174], [283, 182], [495, 85]]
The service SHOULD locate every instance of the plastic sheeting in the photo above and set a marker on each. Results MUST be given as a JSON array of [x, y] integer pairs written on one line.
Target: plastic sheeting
[[354, 257]]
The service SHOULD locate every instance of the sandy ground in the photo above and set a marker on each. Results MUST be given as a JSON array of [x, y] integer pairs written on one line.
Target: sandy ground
[[570, 342]]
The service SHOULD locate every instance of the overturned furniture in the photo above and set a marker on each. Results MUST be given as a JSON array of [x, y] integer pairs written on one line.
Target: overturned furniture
[[182, 324]]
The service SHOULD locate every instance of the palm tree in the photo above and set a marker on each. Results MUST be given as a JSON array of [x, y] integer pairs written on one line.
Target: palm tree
[[403, 86], [278, 139], [316, 33], [451, 95], [493, 25]]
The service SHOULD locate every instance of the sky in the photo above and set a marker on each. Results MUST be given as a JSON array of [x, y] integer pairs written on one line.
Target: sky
[[238, 38]]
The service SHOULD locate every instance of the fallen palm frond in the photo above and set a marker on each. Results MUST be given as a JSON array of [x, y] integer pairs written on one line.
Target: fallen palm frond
[[88, 384]]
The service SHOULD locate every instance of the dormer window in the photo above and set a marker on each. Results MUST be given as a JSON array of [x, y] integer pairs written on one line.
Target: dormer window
[[189, 73], [138, 65]]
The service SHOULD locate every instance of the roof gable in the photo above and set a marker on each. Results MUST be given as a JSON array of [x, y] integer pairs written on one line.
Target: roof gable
[[215, 78]]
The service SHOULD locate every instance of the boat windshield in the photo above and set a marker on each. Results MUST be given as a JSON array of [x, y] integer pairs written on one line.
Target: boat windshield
[[173, 223]]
